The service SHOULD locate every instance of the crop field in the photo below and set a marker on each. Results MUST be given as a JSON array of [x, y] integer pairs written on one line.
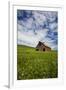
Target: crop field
[[32, 64]]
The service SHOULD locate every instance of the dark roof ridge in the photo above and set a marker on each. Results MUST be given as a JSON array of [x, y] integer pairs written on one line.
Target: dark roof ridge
[[44, 44]]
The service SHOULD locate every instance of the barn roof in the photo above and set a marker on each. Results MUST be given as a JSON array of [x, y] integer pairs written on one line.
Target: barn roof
[[43, 44]]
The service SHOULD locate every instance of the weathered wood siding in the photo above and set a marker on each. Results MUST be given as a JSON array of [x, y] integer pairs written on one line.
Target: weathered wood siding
[[42, 47]]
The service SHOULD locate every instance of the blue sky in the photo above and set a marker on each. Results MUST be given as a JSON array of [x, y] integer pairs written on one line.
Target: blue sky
[[34, 26]]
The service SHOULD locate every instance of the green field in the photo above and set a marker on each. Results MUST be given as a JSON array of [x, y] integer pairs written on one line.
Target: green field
[[32, 64]]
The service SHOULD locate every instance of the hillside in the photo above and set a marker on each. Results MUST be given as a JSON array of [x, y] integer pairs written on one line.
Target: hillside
[[32, 64]]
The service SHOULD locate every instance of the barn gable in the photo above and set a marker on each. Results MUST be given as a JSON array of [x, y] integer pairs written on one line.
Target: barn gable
[[42, 47]]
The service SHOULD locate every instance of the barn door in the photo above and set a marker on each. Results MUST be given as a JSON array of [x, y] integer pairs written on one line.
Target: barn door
[[43, 49]]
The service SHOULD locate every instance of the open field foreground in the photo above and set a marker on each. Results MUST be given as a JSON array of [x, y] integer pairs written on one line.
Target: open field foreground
[[32, 64]]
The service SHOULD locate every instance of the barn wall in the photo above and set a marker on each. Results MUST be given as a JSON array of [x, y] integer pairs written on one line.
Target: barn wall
[[40, 48], [48, 49]]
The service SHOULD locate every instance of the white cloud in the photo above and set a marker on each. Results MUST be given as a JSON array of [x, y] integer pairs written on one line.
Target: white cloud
[[30, 36], [53, 25], [40, 18], [30, 33], [29, 23]]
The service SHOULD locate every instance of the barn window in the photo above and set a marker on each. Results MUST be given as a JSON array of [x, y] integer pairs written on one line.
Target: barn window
[[37, 49], [43, 49]]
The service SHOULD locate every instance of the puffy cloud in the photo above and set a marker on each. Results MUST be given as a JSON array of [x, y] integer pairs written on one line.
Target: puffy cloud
[[30, 36], [34, 26], [53, 26]]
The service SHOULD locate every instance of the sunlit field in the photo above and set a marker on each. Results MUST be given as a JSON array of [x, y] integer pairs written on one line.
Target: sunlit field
[[32, 64]]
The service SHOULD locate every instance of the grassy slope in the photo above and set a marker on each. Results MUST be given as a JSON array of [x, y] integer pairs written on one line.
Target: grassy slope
[[32, 64]]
